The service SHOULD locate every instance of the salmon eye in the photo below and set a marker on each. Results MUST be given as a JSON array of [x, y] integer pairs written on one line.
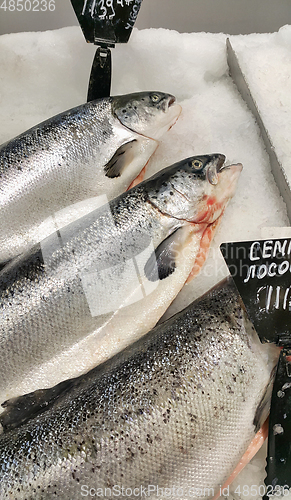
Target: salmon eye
[[155, 97], [197, 164]]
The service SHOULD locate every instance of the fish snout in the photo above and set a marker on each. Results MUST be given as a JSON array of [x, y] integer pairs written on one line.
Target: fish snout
[[233, 166], [237, 167], [163, 101], [172, 99], [169, 113], [233, 171], [228, 178], [169, 105], [168, 101]]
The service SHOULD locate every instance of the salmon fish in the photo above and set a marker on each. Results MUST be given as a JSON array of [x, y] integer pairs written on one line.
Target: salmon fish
[[91, 289], [95, 149], [170, 416]]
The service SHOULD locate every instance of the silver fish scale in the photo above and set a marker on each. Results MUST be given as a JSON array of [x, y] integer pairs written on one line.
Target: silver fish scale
[[78, 157], [54, 165], [61, 137], [176, 409], [43, 308]]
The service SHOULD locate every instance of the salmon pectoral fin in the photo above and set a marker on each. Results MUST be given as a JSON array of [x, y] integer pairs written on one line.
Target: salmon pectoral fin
[[251, 451], [162, 261], [133, 155], [203, 249], [119, 161]]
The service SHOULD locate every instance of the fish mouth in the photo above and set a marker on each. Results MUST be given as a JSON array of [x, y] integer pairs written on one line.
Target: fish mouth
[[230, 166], [214, 168], [172, 100], [174, 108], [221, 163], [167, 101]]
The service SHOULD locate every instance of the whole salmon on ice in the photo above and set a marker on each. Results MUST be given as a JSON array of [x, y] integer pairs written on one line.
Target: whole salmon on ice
[[87, 291], [95, 149], [174, 411]]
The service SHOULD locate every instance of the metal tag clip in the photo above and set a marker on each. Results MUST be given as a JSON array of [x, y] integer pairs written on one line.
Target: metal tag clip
[[100, 77], [279, 445]]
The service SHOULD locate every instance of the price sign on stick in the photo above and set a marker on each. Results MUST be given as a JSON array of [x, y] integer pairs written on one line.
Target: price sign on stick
[[262, 273], [105, 23]]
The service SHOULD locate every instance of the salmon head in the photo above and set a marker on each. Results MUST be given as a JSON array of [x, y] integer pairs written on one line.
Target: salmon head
[[147, 113], [196, 189]]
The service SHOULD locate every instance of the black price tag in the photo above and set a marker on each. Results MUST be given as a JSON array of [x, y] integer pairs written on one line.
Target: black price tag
[[106, 22], [262, 273]]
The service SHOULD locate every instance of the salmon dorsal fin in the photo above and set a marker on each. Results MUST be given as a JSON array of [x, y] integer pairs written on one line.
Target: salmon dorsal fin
[[4, 264], [23, 408], [121, 158]]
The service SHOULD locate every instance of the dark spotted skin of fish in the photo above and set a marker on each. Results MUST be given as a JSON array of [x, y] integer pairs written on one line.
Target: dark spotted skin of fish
[[175, 408]]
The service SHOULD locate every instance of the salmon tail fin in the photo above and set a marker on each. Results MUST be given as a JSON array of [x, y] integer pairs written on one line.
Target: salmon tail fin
[[21, 409]]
